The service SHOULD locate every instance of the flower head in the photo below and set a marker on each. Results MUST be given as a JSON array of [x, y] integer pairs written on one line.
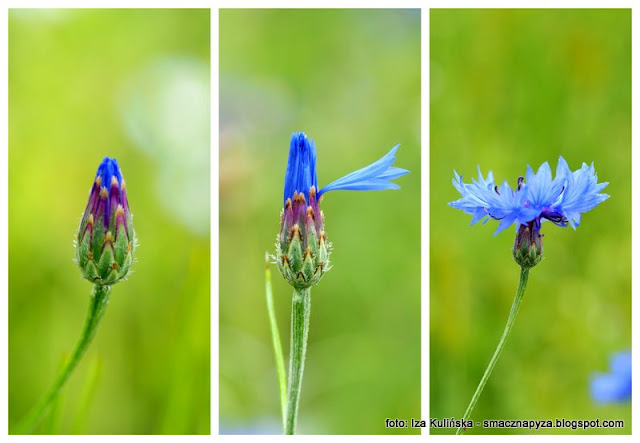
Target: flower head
[[614, 386], [537, 197], [106, 240], [302, 250]]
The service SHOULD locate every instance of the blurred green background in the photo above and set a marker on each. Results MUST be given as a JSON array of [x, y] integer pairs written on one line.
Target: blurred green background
[[131, 84], [510, 88], [350, 79]]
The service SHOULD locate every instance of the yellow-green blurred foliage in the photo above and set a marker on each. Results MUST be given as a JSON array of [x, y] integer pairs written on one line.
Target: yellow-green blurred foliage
[[130, 84], [510, 88], [350, 79]]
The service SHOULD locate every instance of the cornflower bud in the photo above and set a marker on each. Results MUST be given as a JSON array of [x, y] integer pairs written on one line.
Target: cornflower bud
[[302, 249], [106, 240]]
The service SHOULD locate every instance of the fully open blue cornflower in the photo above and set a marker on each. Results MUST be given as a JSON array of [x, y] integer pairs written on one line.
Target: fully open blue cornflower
[[537, 197], [302, 250], [616, 385]]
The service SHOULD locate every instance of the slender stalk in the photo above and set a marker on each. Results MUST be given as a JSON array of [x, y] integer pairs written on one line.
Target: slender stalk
[[524, 275], [277, 346], [98, 305], [300, 309]]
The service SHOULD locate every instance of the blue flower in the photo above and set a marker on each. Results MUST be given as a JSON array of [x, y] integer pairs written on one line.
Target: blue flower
[[301, 174], [616, 385], [302, 248], [537, 197]]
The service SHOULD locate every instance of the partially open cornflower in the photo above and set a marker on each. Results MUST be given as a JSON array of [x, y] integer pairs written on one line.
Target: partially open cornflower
[[106, 240], [302, 249], [615, 386], [537, 197]]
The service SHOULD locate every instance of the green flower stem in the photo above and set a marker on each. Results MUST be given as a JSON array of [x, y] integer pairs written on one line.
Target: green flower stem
[[277, 346], [300, 309], [99, 300], [524, 275]]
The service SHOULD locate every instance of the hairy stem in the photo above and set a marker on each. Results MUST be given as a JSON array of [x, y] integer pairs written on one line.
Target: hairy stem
[[300, 309], [98, 305], [524, 275]]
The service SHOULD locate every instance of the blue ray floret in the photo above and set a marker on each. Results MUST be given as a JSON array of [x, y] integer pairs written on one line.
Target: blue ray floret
[[614, 386], [537, 197]]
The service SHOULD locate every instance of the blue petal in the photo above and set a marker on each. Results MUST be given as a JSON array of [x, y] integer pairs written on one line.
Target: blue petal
[[481, 199], [581, 194], [474, 195], [374, 177], [479, 215], [505, 223], [542, 191], [504, 203], [367, 185], [392, 173]]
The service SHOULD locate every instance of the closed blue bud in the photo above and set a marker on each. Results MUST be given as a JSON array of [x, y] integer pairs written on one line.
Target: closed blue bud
[[106, 240]]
